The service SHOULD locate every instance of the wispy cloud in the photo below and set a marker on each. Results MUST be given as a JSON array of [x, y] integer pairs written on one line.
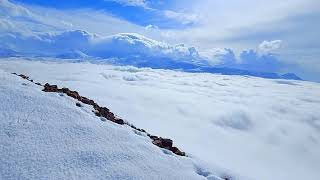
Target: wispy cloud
[[140, 3], [184, 18], [270, 46]]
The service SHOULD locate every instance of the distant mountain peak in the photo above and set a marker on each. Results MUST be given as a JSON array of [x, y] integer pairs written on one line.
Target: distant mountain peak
[[290, 76]]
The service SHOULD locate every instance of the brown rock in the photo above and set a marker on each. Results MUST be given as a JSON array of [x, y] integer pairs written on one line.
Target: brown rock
[[74, 94], [177, 151], [65, 90], [153, 137], [167, 144], [163, 143], [119, 121], [87, 101], [50, 88]]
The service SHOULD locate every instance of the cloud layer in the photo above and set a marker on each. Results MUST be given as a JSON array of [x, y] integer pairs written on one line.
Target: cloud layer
[[27, 32], [134, 49], [256, 127]]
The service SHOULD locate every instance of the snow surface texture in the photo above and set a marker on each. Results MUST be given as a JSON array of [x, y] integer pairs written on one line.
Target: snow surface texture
[[46, 136], [260, 128]]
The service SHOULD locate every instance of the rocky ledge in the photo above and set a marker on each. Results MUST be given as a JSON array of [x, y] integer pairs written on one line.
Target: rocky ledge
[[105, 113]]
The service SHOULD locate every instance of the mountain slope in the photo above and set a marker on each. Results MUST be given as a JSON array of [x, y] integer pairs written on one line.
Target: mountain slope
[[46, 136], [256, 127]]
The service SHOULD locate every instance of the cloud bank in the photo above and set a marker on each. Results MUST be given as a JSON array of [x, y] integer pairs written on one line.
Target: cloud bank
[[27, 33], [256, 127]]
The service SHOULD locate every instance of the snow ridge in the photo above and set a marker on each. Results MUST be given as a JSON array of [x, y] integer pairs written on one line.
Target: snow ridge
[[50, 138], [106, 114]]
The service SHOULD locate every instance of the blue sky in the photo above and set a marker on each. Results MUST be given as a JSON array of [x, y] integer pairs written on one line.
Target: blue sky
[[140, 12], [239, 25]]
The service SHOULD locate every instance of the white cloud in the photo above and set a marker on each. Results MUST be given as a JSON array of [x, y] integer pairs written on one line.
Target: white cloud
[[255, 127], [151, 27], [141, 3], [270, 46], [209, 33], [10, 9], [184, 18], [6, 25], [43, 20]]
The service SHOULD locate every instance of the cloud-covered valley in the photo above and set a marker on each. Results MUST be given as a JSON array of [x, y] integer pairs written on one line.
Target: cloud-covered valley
[[258, 128]]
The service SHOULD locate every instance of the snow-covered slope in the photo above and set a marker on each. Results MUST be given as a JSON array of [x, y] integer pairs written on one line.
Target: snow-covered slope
[[260, 128], [46, 136]]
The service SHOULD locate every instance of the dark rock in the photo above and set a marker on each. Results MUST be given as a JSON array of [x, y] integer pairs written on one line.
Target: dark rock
[[153, 137], [23, 76], [163, 143], [38, 84], [105, 112], [50, 88], [177, 151], [87, 101], [96, 106], [141, 130], [78, 104], [119, 121], [132, 126], [74, 94], [97, 113], [167, 144], [65, 90], [226, 178]]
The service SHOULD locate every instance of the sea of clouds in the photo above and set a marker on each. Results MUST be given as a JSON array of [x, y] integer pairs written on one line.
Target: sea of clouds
[[259, 128]]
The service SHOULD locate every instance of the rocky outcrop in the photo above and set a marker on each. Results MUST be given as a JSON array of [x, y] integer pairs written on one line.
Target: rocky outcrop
[[26, 78], [167, 144], [99, 111], [105, 113]]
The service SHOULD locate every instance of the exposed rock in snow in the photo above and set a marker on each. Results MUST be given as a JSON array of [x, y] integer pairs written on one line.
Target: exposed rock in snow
[[44, 136], [251, 126]]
